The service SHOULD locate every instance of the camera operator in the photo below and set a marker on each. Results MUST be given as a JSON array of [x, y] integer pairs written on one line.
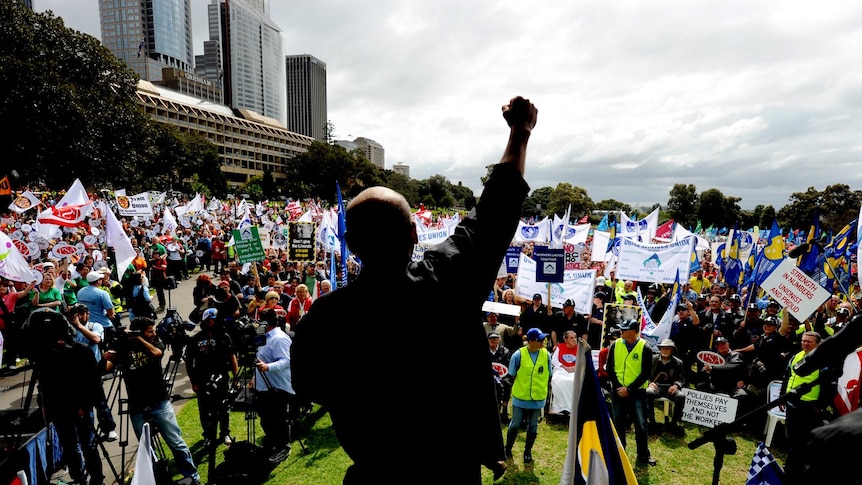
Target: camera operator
[[91, 334], [210, 356], [275, 395], [69, 388], [139, 355]]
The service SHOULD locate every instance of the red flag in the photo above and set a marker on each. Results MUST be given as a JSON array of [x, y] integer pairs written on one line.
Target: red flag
[[665, 230], [68, 216], [584, 220]]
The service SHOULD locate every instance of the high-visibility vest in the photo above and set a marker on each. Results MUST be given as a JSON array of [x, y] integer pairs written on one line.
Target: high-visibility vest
[[531, 381], [795, 380], [628, 365]]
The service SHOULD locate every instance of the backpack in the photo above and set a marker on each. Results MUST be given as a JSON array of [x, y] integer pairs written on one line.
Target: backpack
[[140, 306], [244, 463]]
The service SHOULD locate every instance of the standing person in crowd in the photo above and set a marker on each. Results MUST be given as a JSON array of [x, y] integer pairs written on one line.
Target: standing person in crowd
[[531, 370], [205, 246], [159, 277], [568, 319], [667, 379], [46, 295], [9, 325], [501, 356], [176, 258], [276, 400], [99, 303], [138, 299], [714, 323], [219, 254], [148, 397], [535, 315], [509, 298], [298, 306], [803, 412], [629, 367], [382, 234], [597, 320], [91, 334], [69, 388], [210, 360]]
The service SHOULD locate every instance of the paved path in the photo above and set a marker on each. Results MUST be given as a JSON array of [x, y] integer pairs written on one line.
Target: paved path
[[14, 389]]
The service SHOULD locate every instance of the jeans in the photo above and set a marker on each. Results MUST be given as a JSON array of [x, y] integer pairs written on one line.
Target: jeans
[[531, 415], [632, 408], [80, 452], [162, 416]]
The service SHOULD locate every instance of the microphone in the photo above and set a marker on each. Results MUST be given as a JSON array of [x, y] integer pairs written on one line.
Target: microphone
[[832, 351]]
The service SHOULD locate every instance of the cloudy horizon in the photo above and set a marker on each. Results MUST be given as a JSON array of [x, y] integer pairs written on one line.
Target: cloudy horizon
[[758, 100]]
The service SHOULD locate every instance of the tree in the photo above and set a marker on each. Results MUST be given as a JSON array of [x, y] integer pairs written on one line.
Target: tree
[[537, 203], [799, 213], [566, 195], [682, 204], [613, 205], [68, 105]]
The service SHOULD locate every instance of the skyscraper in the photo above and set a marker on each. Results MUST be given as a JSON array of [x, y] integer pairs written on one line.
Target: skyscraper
[[148, 35], [306, 95], [245, 55]]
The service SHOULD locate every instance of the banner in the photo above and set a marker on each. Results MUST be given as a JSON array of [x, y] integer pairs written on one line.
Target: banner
[[24, 202], [654, 262], [539, 232], [795, 290], [430, 236], [577, 285], [135, 205]]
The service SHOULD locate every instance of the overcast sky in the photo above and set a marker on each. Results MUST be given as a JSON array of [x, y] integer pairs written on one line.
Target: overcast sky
[[757, 99]]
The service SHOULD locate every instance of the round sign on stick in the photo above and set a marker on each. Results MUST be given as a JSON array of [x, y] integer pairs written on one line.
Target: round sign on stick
[[134, 223], [95, 231], [500, 369], [90, 239], [199, 253], [34, 248], [710, 358], [26, 228], [38, 275], [17, 234]]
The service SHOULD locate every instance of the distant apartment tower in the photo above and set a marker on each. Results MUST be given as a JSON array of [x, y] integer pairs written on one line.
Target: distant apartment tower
[[306, 95], [245, 56], [402, 169], [147, 35], [373, 151]]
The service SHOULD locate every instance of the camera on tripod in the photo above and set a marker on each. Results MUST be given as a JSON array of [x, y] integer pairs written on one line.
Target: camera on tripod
[[247, 335], [173, 328]]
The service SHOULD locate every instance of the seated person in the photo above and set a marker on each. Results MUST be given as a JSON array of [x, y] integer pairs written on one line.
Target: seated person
[[563, 377], [727, 378], [500, 357], [667, 379]]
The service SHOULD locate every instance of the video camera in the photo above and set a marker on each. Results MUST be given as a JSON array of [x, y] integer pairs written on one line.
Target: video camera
[[247, 335], [173, 328]]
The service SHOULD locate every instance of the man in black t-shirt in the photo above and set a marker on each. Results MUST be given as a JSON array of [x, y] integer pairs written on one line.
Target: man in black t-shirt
[[568, 319], [141, 363]]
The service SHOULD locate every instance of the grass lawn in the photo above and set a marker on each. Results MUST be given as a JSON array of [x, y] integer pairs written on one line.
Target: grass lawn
[[325, 461]]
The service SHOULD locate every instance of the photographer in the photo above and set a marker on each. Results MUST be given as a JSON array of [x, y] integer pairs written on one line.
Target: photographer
[[210, 356], [139, 355], [69, 388], [275, 395]]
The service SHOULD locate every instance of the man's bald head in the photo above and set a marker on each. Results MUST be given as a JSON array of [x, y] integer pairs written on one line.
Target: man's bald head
[[379, 225]]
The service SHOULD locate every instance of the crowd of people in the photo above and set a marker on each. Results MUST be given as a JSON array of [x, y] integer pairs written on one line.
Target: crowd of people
[[533, 352]]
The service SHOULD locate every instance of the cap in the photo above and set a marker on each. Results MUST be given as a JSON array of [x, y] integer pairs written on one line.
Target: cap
[[773, 303], [600, 294], [629, 325], [770, 321], [47, 264], [493, 335], [93, 276], [667, 343], [681, 307], [702, 296], [78, 308], [537, 296], [843, 312], [735, 297], [721, 340], [752, 306], [569, 302], [209, 313], [600, 280], [492, 313], [536, 334]]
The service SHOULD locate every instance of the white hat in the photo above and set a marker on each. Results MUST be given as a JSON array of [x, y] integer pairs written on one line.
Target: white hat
[[93, 276], [600, 280]]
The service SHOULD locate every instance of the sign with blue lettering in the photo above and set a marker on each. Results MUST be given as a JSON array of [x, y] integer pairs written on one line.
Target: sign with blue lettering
[[549, 264], [513, 256]]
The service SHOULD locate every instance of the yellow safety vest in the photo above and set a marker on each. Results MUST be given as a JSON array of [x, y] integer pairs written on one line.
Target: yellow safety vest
[[531, 381], [628, 365], [796, 380]]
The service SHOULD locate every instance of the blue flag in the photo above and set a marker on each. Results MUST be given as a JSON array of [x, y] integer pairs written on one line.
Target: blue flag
[[732, 263], [807, 262], [603, 225], [771, 256], [764, 469], [342, 228]]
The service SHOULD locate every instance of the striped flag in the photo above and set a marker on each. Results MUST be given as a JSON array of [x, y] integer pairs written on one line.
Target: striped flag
[[594, 454]]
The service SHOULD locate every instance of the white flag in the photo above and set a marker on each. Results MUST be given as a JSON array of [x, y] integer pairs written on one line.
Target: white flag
[[145, 473]]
